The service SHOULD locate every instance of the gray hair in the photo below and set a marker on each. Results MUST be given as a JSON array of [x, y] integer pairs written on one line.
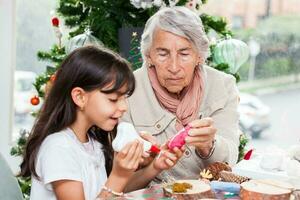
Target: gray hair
[[180, 21]]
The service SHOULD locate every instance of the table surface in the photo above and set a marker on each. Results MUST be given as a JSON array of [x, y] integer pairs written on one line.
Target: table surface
[[156, 193]]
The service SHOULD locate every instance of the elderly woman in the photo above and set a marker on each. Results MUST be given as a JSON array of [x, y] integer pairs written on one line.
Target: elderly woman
[[175, 88]]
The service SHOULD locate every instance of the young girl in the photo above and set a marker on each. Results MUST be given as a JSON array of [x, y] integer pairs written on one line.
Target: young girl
[[69, 154]]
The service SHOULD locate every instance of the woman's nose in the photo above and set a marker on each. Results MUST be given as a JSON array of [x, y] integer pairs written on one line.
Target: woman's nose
[[173, 67]]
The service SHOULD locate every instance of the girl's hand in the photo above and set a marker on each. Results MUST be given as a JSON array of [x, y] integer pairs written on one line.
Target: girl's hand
[[147, 156], [127, 160], [167, 158]]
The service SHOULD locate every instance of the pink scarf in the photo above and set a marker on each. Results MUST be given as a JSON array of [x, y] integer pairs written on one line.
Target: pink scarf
[[187, 105]]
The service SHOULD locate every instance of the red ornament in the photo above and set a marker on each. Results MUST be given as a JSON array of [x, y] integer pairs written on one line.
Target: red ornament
[[55, 21], [52, 78], [247, 156], [35, 100]]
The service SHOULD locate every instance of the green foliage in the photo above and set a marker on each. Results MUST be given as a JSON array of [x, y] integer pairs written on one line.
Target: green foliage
[[243, 142], [103, 17], [217, 24], [25, 185], [55, 55], [17, 150], [20, 145]]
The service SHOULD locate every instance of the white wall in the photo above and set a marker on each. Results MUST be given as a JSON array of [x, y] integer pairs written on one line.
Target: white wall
[[7, 63]]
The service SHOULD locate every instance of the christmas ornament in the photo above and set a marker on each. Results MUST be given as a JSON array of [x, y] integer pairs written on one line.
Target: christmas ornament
[[233, 52], [82, 40], [142, 3], [135, 57], [205, 174], [55, 22], [126, 133], [35, 100], [231, 177], [247, 155], [215, 169], [56, 28], [52, 78]]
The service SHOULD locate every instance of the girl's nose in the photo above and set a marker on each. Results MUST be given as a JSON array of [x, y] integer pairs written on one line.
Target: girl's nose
[[122, 106]]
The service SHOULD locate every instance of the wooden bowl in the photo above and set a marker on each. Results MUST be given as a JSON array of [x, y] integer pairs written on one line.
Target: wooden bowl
[[199, 190]]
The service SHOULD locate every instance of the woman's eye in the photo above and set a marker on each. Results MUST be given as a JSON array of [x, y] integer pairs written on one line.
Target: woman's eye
[[163, 55], [184, 54]]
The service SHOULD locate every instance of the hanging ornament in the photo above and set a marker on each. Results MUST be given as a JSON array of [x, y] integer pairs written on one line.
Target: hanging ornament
[[247, 155], [35, 100], [191, 4], [233, 52], [57, 31], [82, 40], [142, 3], [52, 78]]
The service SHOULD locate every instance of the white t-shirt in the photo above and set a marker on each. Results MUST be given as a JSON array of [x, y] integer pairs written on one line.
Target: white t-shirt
[[63, 157]]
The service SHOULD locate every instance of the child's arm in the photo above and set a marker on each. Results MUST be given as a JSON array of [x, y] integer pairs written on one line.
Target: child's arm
[[166, 160], [125, 164], [67, 189]]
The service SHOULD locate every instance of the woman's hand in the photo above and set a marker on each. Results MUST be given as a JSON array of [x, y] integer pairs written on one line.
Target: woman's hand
[[167, 158], [202, 135]]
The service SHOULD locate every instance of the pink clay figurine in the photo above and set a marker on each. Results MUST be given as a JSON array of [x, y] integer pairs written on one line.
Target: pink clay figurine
[[178, 140]]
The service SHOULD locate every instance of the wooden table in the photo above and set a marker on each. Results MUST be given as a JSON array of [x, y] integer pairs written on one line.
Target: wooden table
[[156, 193]]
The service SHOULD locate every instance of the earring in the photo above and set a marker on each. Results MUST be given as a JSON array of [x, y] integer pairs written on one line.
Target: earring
[[150, 65]]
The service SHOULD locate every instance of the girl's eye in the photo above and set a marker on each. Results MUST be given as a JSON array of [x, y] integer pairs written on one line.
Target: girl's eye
[[113, 100]]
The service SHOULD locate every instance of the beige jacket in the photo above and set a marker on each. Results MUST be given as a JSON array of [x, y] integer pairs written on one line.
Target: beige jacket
[[220, 102]]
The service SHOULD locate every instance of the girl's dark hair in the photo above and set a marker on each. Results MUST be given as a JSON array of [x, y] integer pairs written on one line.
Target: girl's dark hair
[[89, 68]]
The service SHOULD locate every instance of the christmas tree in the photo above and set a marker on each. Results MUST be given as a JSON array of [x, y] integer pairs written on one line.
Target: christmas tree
[[97, 22], [135, 56]]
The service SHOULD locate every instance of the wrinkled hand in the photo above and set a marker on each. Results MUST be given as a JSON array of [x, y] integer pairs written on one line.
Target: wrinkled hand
[[201, 135], [127, 160], [167, 158]]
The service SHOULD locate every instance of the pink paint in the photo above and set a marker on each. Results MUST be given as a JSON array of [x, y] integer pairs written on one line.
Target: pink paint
[[178, 140]]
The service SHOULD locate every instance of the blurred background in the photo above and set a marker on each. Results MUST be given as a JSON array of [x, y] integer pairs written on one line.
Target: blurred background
[[270, 79]]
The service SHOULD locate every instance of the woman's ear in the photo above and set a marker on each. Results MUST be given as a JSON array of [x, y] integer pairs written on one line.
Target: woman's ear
[[149, 60], [200, 61], [79, 97]]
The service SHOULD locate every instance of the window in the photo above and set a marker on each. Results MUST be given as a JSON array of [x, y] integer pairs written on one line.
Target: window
[[34, 33]]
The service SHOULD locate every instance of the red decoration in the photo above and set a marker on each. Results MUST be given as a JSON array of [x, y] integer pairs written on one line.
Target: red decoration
[[35, 100], [55, 21], [247, 156]]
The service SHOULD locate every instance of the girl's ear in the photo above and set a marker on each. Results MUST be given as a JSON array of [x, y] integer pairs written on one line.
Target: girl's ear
[[79, 97]]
